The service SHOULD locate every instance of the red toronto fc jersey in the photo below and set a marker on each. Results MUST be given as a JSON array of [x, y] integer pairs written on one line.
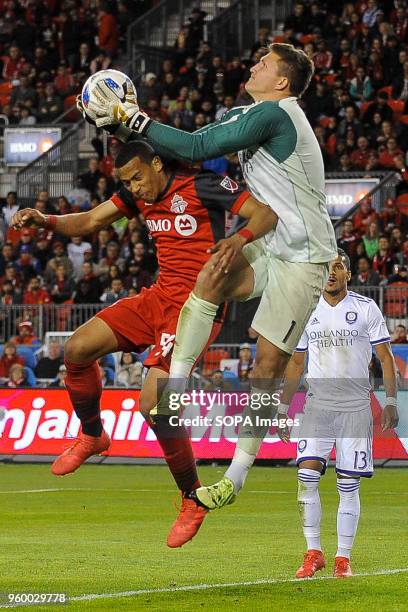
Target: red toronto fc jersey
[[187, 219]]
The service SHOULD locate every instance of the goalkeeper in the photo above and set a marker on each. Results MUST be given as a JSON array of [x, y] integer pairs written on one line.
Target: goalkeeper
[[283, 168]]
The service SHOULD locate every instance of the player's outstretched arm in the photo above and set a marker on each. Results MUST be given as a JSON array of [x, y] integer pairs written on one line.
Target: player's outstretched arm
[[75, 224], [293, 375], [261, 220], [389, 417], [237, 131]]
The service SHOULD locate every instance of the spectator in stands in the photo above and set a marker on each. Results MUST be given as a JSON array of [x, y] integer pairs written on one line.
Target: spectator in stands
[[112, 258], [102, 61], [9, 358], [400, 276], [59, 259], [371, 239], [390, 216], [13, 64], [91, 177], [35, 294], [149, 88], [48, 367], [50, 107], [24, 93], [6, 256], [10, 207], [115, 292], [365, 277], [350, 123], [85, 293], [400, 85], [108, 33], [27, 265], [136, 276], [361, 156], [103, 189], [361, 87], [61, 286], [18, 377], [76, 249], [383, 261], [129, 371], [364, 216], [246, 361], [9, 294], [380, 106], [217, 382], [59, 382], [25, 334], [80, 62], [399, 335], [388, 155]]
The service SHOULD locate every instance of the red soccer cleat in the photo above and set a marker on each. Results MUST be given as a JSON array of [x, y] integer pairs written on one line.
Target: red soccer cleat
[[83, 448], [186, 524], [342, 568], [312, 562]]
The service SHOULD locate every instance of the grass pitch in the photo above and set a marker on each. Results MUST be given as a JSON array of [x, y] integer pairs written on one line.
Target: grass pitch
[[102, 531]]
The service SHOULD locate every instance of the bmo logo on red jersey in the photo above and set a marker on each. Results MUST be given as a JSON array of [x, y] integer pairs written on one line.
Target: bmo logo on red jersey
[[185, 225], [158, 225]]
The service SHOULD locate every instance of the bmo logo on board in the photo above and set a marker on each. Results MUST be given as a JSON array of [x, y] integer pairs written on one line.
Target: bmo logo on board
[[185, 225]]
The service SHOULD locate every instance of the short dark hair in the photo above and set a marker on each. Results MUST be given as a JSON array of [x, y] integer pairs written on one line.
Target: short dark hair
[[138, 148], [295, 65], [345, 258]]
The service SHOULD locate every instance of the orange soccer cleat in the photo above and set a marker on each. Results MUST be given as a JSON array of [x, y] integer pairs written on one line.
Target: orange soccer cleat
[[187, 523], [312, 562], [342, 568], [83, 448]]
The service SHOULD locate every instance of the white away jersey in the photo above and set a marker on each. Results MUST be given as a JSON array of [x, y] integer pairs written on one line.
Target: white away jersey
[[339, 340]]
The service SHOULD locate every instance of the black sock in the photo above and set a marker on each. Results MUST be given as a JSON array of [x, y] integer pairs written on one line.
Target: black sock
[[93, 428]]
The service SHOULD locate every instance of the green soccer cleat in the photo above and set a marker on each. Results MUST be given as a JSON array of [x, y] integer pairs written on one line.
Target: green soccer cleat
[[217, 495]]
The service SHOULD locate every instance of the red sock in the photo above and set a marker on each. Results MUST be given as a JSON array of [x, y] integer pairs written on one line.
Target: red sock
[[178, 452], [84, 385]]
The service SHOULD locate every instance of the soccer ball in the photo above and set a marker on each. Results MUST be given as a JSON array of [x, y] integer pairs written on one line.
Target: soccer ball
[[104, 85]]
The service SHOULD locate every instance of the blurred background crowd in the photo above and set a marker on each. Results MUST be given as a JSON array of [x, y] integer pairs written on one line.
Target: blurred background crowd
[[357, 104]]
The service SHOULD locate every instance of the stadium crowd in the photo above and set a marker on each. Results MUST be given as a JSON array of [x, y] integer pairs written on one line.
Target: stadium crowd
[[49, 47], [356, 104]]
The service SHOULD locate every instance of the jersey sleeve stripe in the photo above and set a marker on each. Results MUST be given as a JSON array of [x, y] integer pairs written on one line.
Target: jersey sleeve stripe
[[239, 202], [381, 341], [300, 349], [119, 203]]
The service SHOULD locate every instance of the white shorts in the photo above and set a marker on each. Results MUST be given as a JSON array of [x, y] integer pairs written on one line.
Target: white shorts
[[351, 433], [290, 292]]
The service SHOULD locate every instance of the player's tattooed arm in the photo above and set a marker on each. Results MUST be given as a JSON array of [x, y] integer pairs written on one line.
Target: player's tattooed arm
[[75, 224], [389, 417], [293, 375]]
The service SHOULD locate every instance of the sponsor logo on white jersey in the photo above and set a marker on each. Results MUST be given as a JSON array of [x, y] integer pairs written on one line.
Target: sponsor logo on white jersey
[[185, 225], [229, 184], [178, 204]]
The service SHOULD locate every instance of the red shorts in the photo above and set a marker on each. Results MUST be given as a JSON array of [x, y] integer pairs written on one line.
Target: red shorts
[[149, 318]]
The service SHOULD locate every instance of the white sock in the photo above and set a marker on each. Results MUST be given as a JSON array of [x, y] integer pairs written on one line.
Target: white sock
[[347, 515], [194, 328], [238, 470], [250, 437], [309, 506]]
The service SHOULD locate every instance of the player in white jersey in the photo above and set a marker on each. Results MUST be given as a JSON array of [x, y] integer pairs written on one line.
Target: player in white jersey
[[338, 340]]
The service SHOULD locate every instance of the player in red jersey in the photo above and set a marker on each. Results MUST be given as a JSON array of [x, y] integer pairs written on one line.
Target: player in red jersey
[[185, 214]]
